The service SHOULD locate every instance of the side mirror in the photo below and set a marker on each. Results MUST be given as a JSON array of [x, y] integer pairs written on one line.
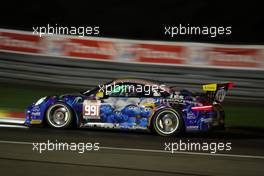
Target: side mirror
[[156, 94], [100, 94]]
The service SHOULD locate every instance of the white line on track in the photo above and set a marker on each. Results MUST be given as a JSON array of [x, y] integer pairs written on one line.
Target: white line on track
[[156, 151], [12, 126], [185, 153], [16, 121]]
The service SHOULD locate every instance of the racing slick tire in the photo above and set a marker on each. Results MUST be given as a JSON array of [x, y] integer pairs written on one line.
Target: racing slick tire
[[59, 115], [167, 122]]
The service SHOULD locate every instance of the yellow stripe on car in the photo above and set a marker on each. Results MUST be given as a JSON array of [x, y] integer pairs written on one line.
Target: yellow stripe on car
[[210, 87], [35, 121]]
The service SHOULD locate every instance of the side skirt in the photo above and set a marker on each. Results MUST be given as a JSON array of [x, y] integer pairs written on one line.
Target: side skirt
[[111, 125]]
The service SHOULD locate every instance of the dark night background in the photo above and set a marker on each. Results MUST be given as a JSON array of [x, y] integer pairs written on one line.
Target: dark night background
[[141, 19]]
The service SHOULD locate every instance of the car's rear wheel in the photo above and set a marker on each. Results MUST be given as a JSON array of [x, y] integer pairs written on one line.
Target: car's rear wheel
[[59, 115], [167, 122]]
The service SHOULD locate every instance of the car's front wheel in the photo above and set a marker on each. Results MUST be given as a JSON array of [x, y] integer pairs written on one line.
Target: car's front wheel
[[167, 122], [59, 115]]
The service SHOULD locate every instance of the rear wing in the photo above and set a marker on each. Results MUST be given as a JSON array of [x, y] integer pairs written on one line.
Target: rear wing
[[217, 92]]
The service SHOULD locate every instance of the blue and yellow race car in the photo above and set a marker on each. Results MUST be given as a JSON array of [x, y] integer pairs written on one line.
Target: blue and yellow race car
[[134, 104]]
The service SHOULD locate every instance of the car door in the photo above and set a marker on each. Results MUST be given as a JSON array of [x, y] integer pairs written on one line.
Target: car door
[[108, 107], [120, 105], [124, 105], [128, 105]]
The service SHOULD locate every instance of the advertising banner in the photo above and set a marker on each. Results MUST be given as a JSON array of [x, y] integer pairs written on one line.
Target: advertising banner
[[134, 51]]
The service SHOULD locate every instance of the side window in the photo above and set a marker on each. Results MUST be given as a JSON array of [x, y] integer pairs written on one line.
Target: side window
[[148, 91], [134, 90], [124, 90], [118, 90]]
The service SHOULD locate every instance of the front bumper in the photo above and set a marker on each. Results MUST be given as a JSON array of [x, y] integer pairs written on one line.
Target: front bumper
[[34, 115]]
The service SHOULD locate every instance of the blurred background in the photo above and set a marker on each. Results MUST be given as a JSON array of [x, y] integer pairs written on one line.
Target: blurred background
[[132, 43]]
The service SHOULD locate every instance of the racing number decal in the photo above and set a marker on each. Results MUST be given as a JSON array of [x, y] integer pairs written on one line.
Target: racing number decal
[[91, 109], [220, 95]]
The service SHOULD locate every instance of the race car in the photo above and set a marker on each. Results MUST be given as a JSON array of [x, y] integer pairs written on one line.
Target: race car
[[134, 104]]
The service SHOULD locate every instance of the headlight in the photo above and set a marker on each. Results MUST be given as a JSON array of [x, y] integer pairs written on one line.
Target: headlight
[[40, 101]]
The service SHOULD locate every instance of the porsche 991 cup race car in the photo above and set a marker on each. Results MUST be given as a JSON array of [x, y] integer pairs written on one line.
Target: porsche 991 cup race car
[[134, 104]]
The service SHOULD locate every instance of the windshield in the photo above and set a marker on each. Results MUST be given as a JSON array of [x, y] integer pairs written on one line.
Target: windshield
[[90, 91]]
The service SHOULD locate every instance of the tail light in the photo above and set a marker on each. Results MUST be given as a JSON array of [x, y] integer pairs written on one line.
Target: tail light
[[202, 108]]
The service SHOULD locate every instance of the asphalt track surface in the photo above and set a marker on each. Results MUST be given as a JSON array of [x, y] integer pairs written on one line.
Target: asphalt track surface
[[128, 153]]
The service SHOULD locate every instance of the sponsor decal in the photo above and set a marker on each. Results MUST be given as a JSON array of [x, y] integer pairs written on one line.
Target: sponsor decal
[[210, 87]]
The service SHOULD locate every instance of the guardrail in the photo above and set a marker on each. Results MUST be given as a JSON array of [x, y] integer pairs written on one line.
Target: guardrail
[[82, 73]]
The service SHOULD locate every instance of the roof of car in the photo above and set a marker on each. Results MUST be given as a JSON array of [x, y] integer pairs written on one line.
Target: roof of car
[[139, 81], [136, 80]]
